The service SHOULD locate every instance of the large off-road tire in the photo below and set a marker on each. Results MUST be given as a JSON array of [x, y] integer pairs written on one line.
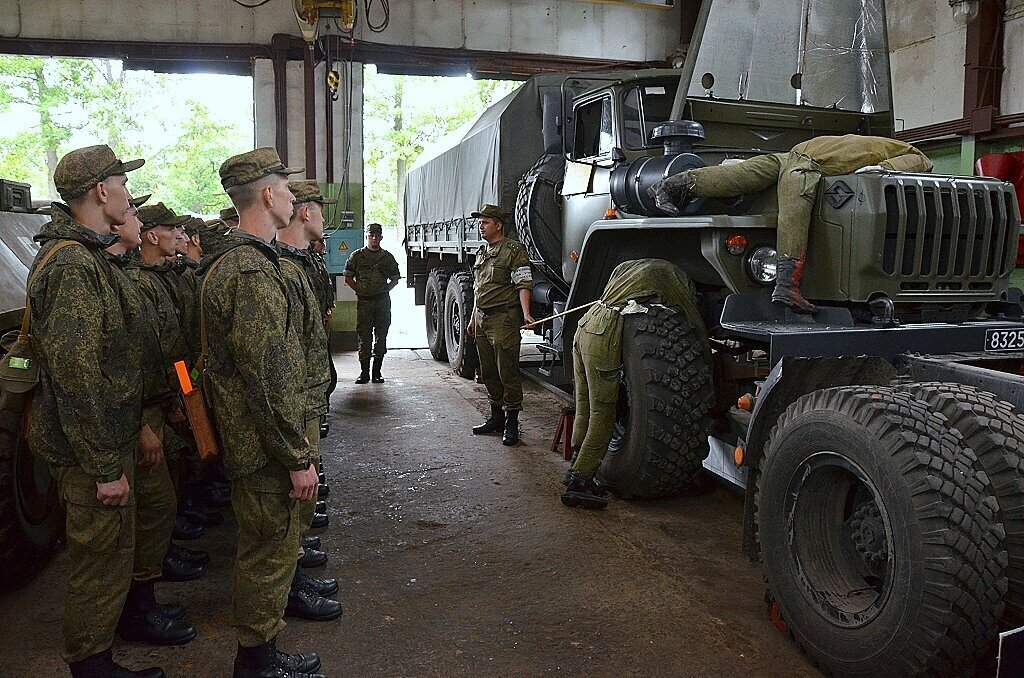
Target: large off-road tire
[[458, 305], [31, 519], [539, 216], [661, 432], [433, 311], [880, 541], [994, 431]]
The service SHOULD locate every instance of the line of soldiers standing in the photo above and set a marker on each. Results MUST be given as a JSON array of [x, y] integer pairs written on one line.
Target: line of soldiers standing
[[118, 293]]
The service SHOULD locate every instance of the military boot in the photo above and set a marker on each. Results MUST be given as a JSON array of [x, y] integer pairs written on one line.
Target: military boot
[[493, 424], [584, 492], [143, 621], [102, 665], [364, 371], [319, 520], [787, 285], [312, 558], [192, 556], [511, 434], [176, 568], [266, 661], [322, 587], [376, 378], [305, 603], [311, 542]]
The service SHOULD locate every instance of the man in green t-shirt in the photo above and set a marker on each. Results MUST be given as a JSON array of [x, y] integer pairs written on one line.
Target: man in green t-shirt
[[372, 272]]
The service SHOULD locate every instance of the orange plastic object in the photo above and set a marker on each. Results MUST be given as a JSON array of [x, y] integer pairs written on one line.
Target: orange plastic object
[[745, 402], [736, 244], [737, 455], [610, 213], [183, 379]]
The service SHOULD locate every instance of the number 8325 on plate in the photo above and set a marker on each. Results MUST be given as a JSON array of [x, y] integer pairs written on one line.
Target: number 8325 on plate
[[1004, 340]]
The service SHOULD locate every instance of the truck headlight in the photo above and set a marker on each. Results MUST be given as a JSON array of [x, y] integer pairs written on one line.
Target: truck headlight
[[762, 265]]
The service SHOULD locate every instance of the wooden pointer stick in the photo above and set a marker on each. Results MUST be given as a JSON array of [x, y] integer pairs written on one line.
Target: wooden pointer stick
[[559, 315]]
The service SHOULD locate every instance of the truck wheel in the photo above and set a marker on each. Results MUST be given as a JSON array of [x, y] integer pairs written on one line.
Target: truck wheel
[[31, 519], [880, 542], [994, 431], [433, 309], [458, 304], [661, 433]]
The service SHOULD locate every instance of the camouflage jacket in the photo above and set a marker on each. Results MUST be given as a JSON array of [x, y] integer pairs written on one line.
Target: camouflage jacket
[[500, 271], [185, 290], [160, 285], [256, 366], [314, 337], [87, 326], [321, 281], [373, 271]]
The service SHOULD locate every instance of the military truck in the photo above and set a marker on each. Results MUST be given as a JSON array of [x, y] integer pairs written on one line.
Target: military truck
[[878, 442], [31, 519]]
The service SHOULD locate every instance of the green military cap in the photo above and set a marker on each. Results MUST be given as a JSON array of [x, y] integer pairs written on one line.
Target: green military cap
[[252, 166], [160, 215], [309, 191], [375, 228], [193, 225], [492, 212], [229, 214], [140, 201], [83, 168]]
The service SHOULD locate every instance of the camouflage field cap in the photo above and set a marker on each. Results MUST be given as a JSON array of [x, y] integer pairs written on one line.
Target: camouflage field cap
[[492, 212], [309, 191], [252, 166], [229, 214], [83, 168], [375, 228], [160, 215], [140, 201], [193, 225]]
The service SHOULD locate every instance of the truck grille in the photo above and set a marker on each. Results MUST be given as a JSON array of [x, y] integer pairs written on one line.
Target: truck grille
[[943, 234]]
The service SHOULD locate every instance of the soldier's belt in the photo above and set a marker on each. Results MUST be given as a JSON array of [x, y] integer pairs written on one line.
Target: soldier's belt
[[495, 310], [368, 297]]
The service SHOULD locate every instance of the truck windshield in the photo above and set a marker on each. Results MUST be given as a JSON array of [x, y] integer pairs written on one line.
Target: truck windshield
[[823, 53], [644, 107]]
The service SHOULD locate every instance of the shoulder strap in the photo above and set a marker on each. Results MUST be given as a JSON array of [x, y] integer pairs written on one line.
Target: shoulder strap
[[204, 344], [27, 315]]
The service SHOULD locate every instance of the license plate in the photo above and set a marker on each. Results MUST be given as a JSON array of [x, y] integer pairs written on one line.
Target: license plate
[[1004, 340]]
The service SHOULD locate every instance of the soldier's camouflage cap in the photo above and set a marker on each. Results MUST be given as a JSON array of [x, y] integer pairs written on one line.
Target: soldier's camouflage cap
[[308, 190], [83, 168], [229, 214], [375, 228], [140, 201], [193, 225], [251, 166], [492, 212], [160, 215]]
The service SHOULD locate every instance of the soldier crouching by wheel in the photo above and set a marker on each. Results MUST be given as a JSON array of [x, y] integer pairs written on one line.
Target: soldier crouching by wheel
[[502, 294]]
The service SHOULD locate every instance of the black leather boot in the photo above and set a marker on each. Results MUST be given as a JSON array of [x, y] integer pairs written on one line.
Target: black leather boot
[[102, 665], [194, 513], [186, 530], [494, 423], [143, 596], [266, 661], [142, 622], [376, 378], [322, 587], [511, 435], [364, 371], [179, 569], [192, 556], [319, 520], [311, 542], [312, 558], [321, 506], [308, 604], [584, 492], [787, 285]]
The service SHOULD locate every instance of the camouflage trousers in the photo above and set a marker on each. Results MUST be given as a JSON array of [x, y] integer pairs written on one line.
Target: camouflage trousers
[[156, 505], [797, 177], [308, 508], [101, 548], [497, 343], [269, 535], [373, 319], [597, 391]]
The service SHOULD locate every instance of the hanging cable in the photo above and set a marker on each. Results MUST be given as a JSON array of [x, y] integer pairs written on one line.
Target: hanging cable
[[253, 5], [386, 8]]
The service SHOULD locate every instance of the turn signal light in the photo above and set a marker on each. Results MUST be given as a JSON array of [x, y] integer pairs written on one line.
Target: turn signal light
[[736, 244], [610, 213], [575, 256], [737, 455], [745, 402]]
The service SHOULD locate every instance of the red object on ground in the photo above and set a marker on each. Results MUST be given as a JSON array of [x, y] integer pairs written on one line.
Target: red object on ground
[[563, 434], [776, 618], [1008, 167]]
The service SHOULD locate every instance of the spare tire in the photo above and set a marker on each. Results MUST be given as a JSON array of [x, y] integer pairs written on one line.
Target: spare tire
[[458, 304], [539, 216], [661, 432], [433, 311]]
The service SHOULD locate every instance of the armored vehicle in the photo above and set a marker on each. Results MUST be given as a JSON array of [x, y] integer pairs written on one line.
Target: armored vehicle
[[879, 441], [31, 519]]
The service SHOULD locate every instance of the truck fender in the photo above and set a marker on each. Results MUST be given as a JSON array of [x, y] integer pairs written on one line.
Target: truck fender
[[790, 379]]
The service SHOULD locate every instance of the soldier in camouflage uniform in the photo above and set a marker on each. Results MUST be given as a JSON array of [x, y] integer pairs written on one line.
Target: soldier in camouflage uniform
[[597, 362], [326, 296], [797, 175], [308, 597], [372, 272], [256, 373], [86, 416], [502, 294], [143, 619]]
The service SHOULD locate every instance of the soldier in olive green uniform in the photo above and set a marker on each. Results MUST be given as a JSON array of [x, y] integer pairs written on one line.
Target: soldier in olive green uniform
[[326, 295], [86, 415], [372, 272], [597, 361], [797, 175], [502, 294], [256, 372], [143, 619]]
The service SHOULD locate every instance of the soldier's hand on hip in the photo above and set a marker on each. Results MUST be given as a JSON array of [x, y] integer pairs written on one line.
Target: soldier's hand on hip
[[151, 447], [304, 484], [114, 493]]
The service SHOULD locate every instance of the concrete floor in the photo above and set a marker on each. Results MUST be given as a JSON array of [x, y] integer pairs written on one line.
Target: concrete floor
[[456, 557]]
